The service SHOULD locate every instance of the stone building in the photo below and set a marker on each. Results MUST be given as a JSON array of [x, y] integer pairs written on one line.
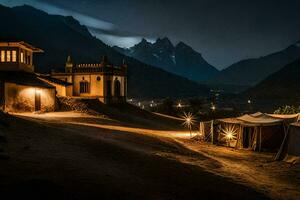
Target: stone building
[[21, 90], [101, 80]]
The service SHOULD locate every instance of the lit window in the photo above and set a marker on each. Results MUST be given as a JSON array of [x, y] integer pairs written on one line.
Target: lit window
[[84, 87], [22, 57], [8, 58], [14, 56], [2, 56]]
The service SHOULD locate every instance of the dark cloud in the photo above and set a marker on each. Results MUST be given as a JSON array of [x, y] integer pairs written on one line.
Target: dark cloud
[[223, 31]]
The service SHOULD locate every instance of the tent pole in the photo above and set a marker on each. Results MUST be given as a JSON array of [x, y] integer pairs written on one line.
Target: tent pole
[[259, 138], [212, 131], [286, 131]]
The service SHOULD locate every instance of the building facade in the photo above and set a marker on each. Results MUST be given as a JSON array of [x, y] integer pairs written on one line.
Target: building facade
[[21, 90], [17, 56], [101, 80]]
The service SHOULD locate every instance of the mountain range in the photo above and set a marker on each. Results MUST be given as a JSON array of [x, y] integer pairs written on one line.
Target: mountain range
[[283, 84], [180, 59], [60, 36], [250, 72]]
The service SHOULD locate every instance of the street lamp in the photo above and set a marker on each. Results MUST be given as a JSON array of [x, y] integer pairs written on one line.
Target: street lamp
[[188, 121]]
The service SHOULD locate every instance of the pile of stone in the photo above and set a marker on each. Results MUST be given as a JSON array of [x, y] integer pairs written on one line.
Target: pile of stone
[[72, 104]]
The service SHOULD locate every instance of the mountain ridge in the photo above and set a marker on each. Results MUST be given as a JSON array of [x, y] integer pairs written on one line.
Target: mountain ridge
[[180, 59], [282, 84], [250, 72]]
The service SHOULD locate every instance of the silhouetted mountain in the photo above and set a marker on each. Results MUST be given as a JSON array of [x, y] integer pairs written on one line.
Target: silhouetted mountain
[[251, 71], [61, 36], [180, 59], [283, 84]]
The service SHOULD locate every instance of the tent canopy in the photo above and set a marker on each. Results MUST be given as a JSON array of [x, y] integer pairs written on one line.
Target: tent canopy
[[256, 119], [261, 119]]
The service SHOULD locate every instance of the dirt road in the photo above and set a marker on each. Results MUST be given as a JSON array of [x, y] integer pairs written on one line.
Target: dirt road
[[77, 156]]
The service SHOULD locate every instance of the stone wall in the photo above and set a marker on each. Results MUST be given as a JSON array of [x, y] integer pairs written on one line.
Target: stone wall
[[20, 98]]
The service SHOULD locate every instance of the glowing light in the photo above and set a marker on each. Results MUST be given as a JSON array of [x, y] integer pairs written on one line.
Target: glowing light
[[179, 105], [229, 135], [229, 132], [188, 121], [38, 91], [249, 101], [213, 107]]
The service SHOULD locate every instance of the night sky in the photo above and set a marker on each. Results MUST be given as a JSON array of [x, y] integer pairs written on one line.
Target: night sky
[[223, 31]]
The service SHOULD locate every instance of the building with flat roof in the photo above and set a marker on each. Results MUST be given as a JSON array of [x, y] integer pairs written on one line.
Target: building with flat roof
[[100, 80]]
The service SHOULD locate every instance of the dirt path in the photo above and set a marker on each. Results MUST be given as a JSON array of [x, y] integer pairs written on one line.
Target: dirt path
[[279, 180], [80, 156]]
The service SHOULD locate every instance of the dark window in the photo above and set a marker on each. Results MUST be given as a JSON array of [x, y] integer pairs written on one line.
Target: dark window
[[108, 88], [84, 87], [28, 60], [98, 78], [117, 88]]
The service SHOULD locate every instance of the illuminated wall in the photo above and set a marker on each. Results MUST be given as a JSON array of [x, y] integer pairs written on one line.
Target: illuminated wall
[[61, 90], [20, 98], [97, 83]]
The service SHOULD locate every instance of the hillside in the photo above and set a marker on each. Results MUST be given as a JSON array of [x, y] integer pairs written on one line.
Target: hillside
[[252, 71], [283, 84], [60, 36], [180, 59]]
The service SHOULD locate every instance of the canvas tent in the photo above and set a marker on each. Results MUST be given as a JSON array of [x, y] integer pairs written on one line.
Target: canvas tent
[[256, 131], [291, 143], [206, 130]]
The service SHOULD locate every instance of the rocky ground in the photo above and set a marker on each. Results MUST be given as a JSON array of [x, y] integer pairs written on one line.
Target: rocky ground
[[79, 156]]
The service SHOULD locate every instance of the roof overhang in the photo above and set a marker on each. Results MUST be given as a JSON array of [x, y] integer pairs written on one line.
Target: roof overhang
[[23, 45]]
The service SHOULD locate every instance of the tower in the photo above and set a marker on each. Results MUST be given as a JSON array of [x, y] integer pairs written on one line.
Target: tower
[[104, 61], [124, 69], [69, 65]]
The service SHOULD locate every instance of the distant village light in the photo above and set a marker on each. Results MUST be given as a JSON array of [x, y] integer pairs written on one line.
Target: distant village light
[[249, 101], [179, 105], [213, 107]]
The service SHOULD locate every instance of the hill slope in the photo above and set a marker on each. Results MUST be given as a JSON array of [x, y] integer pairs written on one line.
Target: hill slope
[[60, 36], [283, 84], [180, 59], [252, 71]]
